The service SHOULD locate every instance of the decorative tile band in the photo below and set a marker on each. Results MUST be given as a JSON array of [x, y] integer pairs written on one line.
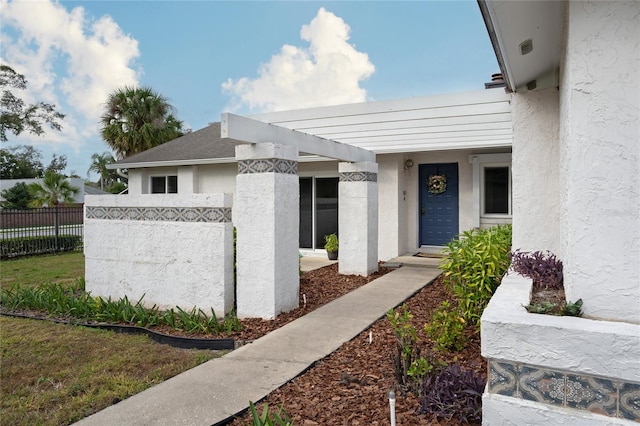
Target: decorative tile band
[[161, 214], [268, 165], [608, 397], [358, 177]]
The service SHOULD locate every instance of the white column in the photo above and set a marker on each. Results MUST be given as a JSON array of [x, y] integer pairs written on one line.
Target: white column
[[266, 212], [600, 159], [358, 218], [536, 172]]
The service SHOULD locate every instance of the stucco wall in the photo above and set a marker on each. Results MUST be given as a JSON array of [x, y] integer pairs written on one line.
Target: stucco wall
[[214, 178], [566, 370], [175, 250], [535, 172], [566, 367], [391, 218], [398, 188], [266, 204], [600, 158], [358, 218]]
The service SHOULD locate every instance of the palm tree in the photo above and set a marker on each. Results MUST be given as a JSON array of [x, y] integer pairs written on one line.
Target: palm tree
[[137, 119], [99, 165], [51, 191]]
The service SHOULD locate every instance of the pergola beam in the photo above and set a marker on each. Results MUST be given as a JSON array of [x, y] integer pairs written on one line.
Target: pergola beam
[[253, 131]]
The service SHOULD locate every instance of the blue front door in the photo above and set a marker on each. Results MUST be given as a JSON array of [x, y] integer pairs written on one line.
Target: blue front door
[[438, 210]]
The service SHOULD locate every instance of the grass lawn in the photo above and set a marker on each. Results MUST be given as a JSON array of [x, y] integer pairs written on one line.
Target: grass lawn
[[52, 374], [36, 270]]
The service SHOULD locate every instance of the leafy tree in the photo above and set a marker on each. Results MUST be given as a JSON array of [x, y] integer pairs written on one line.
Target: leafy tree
[[53, 190], [99, 164], [137, 119], [25, 162], [16, 197], [20, 162], [58, 163], [17, 117], [117, 187]]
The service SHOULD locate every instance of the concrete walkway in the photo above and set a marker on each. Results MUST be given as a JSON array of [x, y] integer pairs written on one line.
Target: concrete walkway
[[221, 388]]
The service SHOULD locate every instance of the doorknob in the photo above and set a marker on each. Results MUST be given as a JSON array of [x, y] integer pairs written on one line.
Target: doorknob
[[422, 211]]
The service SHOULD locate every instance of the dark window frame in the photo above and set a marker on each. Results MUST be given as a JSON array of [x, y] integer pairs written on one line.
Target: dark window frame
[[163, 184], [507, 197]]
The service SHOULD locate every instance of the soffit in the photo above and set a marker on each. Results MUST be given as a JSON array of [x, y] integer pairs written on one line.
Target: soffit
[[510, 24]]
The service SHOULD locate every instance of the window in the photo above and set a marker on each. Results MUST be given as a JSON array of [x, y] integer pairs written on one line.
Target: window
[[491, 189], [164, 184], [318, 210], [496, 189]]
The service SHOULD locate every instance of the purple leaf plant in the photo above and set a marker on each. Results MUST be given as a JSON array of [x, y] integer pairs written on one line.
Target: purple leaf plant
[[544, 268]]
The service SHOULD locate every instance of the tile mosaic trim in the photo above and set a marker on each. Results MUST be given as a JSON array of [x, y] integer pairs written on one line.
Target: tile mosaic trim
[[607, 397], [358, 177], [161, 214], [268, 165]]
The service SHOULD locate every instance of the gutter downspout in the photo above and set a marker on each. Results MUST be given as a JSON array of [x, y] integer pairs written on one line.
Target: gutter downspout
[[122, 174]]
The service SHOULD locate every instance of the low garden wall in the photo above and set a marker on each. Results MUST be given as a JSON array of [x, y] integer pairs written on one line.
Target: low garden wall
[[173, 250], [556, 370]]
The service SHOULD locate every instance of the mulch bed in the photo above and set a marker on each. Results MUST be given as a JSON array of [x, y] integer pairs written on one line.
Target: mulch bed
[[317, 287], [351, 386]]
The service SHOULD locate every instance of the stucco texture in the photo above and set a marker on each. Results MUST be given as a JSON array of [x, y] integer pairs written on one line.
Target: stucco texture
[[167, 263], [600, 158]]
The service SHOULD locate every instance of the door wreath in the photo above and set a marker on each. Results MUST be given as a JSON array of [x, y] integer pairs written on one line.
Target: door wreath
[[437, 184]]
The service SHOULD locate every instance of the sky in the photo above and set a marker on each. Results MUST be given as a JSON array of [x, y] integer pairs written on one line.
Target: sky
[[210, 57]]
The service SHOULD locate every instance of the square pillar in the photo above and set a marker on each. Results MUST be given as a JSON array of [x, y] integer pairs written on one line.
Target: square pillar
[[358, 218], [267, 220]]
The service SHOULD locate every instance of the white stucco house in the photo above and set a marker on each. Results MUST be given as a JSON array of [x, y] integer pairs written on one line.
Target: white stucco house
[[396, 145], [464, 136], [572, 68], [556, 154]]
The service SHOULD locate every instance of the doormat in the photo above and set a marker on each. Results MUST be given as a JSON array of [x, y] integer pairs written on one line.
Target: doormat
[[430, 255]]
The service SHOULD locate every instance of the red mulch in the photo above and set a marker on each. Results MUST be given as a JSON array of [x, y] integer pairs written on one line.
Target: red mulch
[[351, 386], [318, 287]]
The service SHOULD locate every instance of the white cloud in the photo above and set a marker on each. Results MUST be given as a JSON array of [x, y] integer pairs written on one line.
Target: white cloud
[[69, 59], [328, 72]]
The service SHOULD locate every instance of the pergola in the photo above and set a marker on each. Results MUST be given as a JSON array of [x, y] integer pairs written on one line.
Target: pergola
[[267, 211]]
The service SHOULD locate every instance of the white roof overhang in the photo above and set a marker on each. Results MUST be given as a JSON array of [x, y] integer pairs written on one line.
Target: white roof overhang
[[469, 120], [357, 132], [172, 163], [526, 36], [246, 129]]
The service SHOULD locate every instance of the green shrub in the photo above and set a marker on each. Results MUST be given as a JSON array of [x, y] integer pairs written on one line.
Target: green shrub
[[474, 265], [14, 247], [572, 309], [410, 367], [73, 302], [331, 243], [407, 349], [569, 309], [265, 419], [446, 329]]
